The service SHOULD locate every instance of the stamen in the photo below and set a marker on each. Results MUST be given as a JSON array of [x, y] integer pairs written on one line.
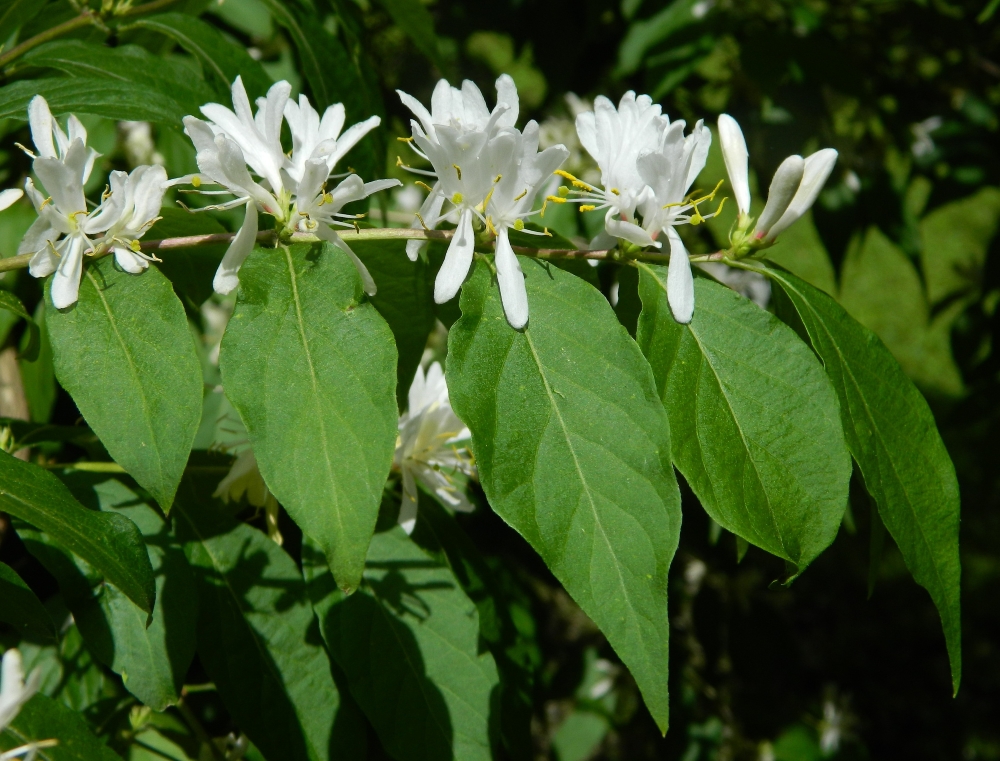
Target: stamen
[[555, 199], [422, 223], [458, 170], [30, 153], [489, 226], [523, 194], [615, 191], [405, 139], [575, 181], [495, 179], [424, 185], [587, 207]]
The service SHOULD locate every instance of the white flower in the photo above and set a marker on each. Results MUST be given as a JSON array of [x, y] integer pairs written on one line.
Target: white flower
[[616, 138], [669, 172], [139, 197], [508, 205], [427, 450], [51, 141], [244, 478], [63, 213], [456, 137], [793, 190], [923, 143], [292, 188]]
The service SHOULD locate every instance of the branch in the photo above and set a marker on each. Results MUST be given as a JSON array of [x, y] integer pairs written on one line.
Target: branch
[[387, 233], [87, 17]]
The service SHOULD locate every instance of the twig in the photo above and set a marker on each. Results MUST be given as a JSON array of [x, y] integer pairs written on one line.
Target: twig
[[87, 17]]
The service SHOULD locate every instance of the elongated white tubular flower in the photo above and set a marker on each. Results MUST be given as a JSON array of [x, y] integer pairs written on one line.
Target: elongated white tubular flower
[[513, 294], [783, 188], [51, 141], [815, 173], [14, 691], [737, 158], [227, 276], [457, 261], [9, 197], [428, 450], [680, 282]]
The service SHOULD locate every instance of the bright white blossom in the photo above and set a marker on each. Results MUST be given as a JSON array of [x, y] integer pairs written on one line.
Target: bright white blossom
[[428, 449], [65, 230], [14, 693], [9, 197], [669, 172], [242, 152], [794, 189], [509, 204], [487, 172]]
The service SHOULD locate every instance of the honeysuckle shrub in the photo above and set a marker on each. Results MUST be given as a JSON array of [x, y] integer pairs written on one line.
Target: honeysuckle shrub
[[281, 412]]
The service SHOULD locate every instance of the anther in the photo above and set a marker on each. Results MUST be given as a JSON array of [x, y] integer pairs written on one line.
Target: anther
[[587, 207], [421, 220], [424, 185], [523, 194], [458, 170]]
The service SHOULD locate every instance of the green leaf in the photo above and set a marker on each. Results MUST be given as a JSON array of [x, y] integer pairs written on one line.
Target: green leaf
[[153, 76], [221, 59], [311, 368], [20, 608], [800, 250], [754, 419], [17, 13], [891, 433], [12, 303], [38, 375], [954, 241], [151, 655], [189, 269], [413, 18], [109, 98], [573, 449], [110, 543], [125, 354], [514, 649], [408, 642], [881, 289], [405, 299], [258, 639], [644, 35], [42, 718]]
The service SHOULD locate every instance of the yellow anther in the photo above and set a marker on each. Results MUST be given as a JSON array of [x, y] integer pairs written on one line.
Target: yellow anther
[[545, 231], [45, 203], [424, 185], [196, 181], [486, 200], [555, 199], [577, 183], [523, 194], [497, 179], [456, 199], [421, 219], [405, 139], [458, 170], [563, 191], [587, 207], [615, 191], [351, 170], [563, 173], [490, 227], [545, 202], [399, 162], [518, 224]]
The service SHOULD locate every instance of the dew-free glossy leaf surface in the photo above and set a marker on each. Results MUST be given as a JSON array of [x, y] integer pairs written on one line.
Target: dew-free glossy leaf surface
[[892, 434], [259, 641], [125, 354], [311, 368], [573, 449], [754, 419], [110, 543], [408, 641]]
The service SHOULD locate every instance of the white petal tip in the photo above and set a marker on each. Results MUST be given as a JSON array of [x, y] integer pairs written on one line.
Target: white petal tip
[[224, 284]]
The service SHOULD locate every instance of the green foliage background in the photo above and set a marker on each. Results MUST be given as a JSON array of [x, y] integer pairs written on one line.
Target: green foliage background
[[904, 237]]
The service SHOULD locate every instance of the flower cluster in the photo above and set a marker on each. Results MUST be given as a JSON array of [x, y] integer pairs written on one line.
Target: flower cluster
[[485, 169], [241, 151], [65, 230]]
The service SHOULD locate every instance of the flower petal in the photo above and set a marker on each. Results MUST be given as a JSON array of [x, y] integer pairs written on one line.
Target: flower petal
[[784, 185], [457, 261], [408, 506], [680, 282], [66, 280], [129, 260], [814, 175], [9, 197], [513, 294], [734, 152], [40, 120], [227, 276]]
